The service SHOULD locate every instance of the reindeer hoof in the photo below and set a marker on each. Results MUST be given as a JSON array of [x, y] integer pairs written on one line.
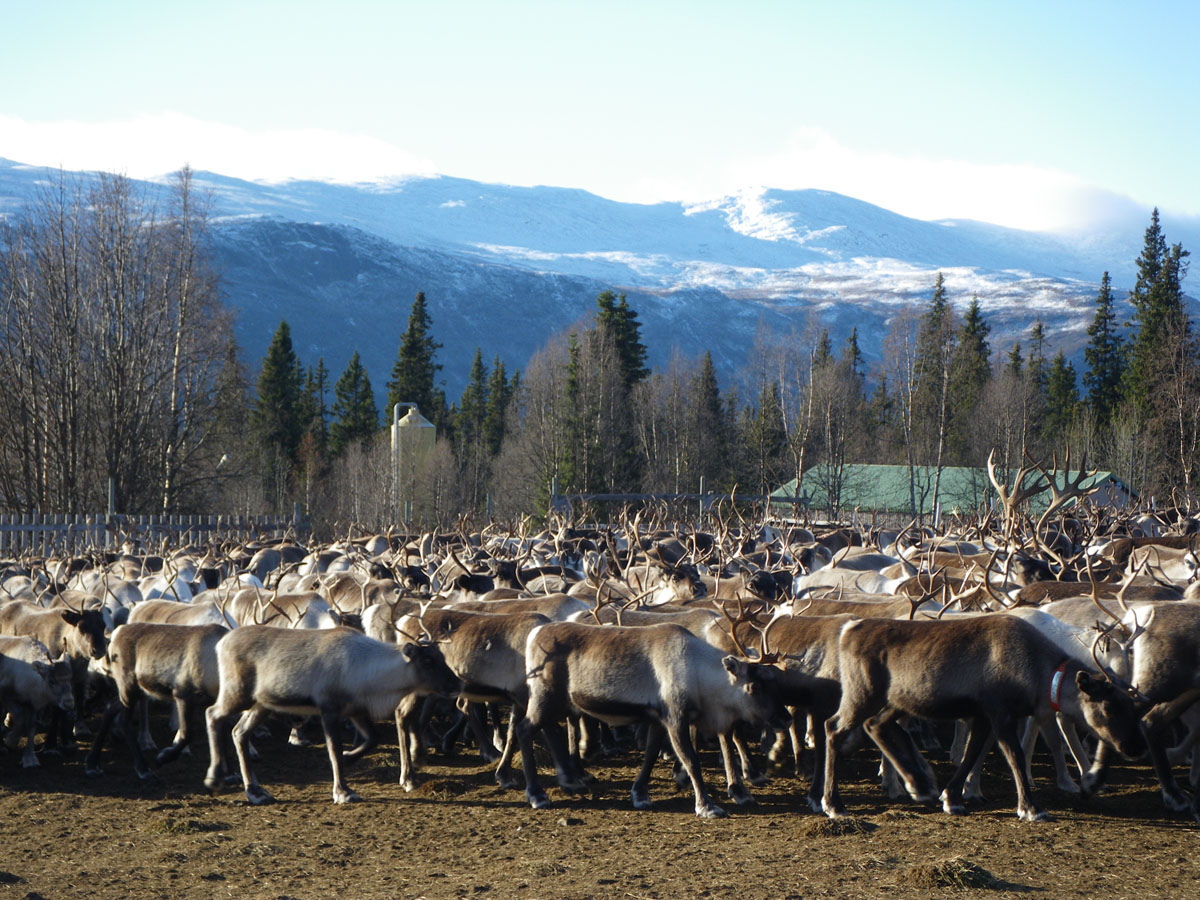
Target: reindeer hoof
[[81, 730], [142, 773], [1033, 815], [742, 797], [30, 762], [758, 779], [1176, 801], [1069, 787], [507, 782], [712, 811], [258, 797], [346, 797], [166, 755], [834, 811], [538, 801], [91, 770], [641, 798], [953, 807]]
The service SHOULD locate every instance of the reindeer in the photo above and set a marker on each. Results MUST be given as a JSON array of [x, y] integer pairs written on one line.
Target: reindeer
[[659, 674], [991, 670], [335, 673], [151, 661], [1163, 669], [79, 633], [487, 653], [31, 681]]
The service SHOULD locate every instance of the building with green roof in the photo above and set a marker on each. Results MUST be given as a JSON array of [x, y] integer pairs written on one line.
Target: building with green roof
[[889, 489]]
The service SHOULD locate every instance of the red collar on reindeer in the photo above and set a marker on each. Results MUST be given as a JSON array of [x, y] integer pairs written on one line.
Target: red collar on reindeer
[[1056, 681]]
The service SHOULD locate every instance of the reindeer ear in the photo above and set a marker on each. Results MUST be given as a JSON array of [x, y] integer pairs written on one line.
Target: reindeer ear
[[71, 617], [1092, 686], [732, 665]]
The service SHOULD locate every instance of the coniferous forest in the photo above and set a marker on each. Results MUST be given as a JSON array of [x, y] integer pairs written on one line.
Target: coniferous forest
[[120, 372]]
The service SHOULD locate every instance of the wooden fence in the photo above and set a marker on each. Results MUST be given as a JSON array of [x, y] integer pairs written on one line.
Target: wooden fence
[[33, 533]]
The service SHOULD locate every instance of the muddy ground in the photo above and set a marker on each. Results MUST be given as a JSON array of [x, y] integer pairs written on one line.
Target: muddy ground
[[64, 835]]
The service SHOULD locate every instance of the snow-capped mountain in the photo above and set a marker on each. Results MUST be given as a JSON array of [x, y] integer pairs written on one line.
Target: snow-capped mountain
[[505, 267]]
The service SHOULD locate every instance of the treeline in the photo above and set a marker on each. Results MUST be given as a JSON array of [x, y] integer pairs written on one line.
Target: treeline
[[116, 354], [119, 365]]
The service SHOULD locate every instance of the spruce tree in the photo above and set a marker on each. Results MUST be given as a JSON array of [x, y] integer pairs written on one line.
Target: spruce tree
[[1016, 364], [937, 342], [767, 438], [1062, 400], [823, 352], [1158, 314], [710, 425], [1104, 355], [356, 418], [853, 355], [499, 393], [970, 372], [1036, 364], [276, 418], [314, 412], [415, 369], [615, 317], [472, 408]]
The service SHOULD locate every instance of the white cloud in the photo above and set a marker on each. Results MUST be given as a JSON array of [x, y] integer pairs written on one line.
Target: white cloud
[[1020, 196], [1016, 195], [147, 146]]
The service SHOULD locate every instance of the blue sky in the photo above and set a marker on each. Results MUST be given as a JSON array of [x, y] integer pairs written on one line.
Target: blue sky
[[1042, 115]]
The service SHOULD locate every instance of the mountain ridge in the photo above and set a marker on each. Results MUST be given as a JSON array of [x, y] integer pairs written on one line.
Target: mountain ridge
[[506, 267]]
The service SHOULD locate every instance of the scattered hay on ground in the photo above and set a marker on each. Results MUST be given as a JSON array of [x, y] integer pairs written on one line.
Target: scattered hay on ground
[[837, 827], [955, 872]]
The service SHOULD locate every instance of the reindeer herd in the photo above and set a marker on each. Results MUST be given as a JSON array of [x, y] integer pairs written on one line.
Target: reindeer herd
[[1080, 629]]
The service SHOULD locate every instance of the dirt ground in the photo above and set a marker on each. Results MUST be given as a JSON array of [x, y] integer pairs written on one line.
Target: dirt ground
[[458, 835]]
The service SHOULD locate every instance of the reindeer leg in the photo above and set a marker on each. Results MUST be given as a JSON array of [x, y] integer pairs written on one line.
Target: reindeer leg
[[364, 729], [332, 724], [750, 769], [641, 785], [797, 742], [1181, 751], [816, 785], [977, 739], [838, 727], [571, 776], [127, 730], [482, 732], [171, 753], [144, 738], [972, 787], [504, 774], [1155, 722], [1097, 774], [241, 737], [685, 752], [901, 752], [736, 788], [1053, 736], [29, 758], [404, 714], [1006, 736], [523, 731], [91, 764]]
